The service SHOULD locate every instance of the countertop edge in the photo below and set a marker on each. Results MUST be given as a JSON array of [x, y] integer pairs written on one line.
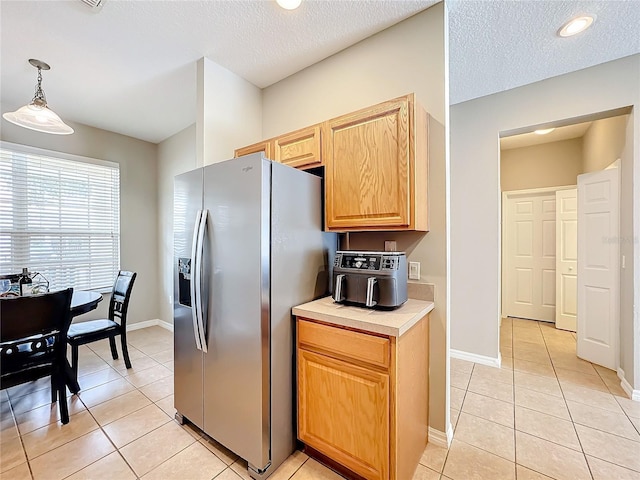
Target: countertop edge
[[369, 325]]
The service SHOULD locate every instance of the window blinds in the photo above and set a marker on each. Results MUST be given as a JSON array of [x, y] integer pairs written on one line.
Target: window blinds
[[59, 216]]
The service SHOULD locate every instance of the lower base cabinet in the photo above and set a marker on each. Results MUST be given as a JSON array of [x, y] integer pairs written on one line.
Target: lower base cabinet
[[363, 397]]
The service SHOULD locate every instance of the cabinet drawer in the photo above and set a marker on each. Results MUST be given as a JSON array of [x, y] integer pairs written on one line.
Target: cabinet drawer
[[265, 147], [344, 343], [299, 149]]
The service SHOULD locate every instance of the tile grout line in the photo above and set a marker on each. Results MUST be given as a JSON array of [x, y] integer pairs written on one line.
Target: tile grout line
[[513, 378], [446, 457], [24, 450], [109, 438], [100, 427], [573, 424], [515, 426]]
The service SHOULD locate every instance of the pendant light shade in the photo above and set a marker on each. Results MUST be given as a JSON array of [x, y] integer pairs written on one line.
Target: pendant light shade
[[37, 115]]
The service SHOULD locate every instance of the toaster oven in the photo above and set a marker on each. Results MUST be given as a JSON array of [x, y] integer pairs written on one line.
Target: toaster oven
[[370, 279]]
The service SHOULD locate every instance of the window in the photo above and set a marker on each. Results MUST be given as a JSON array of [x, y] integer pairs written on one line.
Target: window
[[59, 216]]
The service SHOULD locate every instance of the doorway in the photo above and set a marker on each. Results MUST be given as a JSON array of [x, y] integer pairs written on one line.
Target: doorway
[[539, 275], [529, 247]]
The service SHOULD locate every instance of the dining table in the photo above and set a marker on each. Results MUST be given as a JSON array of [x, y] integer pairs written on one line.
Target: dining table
[[84, 301]]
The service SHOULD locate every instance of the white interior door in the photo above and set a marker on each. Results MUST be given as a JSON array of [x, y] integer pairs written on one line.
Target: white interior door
[[566, 259], [598, 267], [530, 255]]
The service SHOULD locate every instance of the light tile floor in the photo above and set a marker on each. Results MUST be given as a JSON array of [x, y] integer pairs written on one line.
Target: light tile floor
[[545, 412]]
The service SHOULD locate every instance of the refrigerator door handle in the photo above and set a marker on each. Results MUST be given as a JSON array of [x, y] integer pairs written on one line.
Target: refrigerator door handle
[[195, 267], [201, 231]]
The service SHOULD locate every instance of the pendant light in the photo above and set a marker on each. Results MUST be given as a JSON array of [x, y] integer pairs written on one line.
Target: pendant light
[[37, 115]]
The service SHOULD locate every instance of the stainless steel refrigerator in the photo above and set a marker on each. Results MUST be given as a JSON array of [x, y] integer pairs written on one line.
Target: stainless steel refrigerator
[[248, 246]]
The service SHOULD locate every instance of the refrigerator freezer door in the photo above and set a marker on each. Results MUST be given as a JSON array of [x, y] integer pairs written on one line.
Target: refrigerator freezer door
[[188, 363], [237, 377], [298, 275]]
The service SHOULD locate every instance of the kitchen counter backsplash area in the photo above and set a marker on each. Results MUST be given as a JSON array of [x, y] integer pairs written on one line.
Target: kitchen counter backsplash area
[[421, 291]]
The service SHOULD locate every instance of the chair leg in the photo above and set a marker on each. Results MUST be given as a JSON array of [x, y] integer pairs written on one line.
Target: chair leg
[[54, 388], [62, 400], [114, 351], [125, 350], [74, 360]]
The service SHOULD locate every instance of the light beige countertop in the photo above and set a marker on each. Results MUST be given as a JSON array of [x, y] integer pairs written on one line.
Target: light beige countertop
[[387, 322]]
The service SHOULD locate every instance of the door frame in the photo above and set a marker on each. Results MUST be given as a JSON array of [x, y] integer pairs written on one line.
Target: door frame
[[503, 236]]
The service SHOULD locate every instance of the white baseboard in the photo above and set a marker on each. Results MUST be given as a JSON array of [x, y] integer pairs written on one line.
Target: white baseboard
[[472, 357], [165, 325], [439, 438], [150, 323], [626, 386]]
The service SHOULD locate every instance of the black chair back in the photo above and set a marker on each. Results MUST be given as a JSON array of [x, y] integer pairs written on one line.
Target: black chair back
[[120, 296], [33, 331]]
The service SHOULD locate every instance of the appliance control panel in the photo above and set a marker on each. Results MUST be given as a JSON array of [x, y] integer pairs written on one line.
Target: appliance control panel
[[369, 261]]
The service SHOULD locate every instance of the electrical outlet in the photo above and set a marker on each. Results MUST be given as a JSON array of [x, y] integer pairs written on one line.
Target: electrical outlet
[[390, 246], [414, 270]]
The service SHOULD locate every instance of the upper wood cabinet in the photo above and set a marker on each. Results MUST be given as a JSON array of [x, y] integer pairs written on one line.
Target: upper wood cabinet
[[376, 164], [266, 147], [299, 149]]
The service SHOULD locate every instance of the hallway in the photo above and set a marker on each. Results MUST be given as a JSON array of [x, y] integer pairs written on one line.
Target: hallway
[[544, 414]]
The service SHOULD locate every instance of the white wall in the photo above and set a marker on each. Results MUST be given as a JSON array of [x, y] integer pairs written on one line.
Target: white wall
[[546, 165], [229, 116], [475, 198], [408, 57], [176, 155], [138, 207], [603, 142], [229, 113]]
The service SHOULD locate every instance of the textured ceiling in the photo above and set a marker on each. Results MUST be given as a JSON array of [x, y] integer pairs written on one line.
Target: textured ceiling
[[496, 45], [130, 66]]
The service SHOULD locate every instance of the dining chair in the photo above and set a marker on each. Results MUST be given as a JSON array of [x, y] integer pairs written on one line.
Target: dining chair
[[82, 333], [33, 342]]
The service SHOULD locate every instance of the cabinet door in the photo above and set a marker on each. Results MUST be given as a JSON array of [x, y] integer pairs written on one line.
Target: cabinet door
[[343, 412], [299, 149], [367, 157], [265, 147]]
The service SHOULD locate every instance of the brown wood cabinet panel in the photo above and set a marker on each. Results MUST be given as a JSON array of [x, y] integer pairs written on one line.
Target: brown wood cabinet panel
[[266, 147], [343, 412], [376, 162], [344, 343], [412, 398], [345, 388], [368, 172], [300, 149]]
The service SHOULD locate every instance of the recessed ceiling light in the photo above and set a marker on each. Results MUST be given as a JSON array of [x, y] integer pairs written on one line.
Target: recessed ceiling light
[[544, 131], [575, 26], [289, 4]]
